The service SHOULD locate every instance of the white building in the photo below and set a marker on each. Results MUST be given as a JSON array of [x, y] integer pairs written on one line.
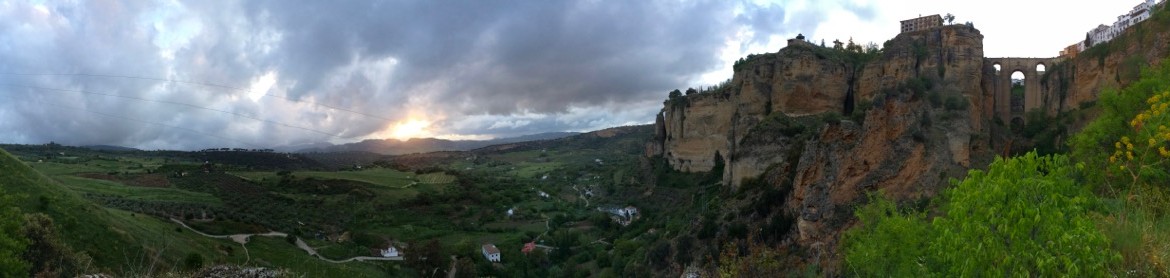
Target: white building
[[390, 252], [631, 211], [1142, 11], [490, 252], [1104, 33]]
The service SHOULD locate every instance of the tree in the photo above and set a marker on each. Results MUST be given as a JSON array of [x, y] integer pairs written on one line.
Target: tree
[[950, 18], [12, 244], [674, 94], [46, 253], [465, 267], [853, 47], [691, 91], [682, 250], [426, 258], [659, 254], [751, 258]]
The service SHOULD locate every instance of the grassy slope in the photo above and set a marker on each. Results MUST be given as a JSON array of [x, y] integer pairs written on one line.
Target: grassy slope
[[85, 185], [123, 242]]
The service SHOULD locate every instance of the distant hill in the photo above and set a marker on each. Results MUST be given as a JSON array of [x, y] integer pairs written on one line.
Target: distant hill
[[110, 148], [423, 145], [627, 139]]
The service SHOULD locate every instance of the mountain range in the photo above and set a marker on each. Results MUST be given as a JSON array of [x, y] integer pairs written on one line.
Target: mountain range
[[418, 145]]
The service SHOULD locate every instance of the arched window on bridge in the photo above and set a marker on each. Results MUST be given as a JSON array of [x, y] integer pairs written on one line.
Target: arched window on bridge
[[1040, 68], [997, 68], [1017, 99]]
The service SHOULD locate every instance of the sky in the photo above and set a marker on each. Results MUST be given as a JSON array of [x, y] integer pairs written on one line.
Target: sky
[[258, 74]]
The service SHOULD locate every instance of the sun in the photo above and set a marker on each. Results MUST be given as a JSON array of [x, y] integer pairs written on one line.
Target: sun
[[411, 128]]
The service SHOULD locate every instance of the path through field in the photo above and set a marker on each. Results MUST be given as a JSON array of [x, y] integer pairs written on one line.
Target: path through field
[[242, 239]]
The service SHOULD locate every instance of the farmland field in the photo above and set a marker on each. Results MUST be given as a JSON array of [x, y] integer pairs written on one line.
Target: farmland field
[[379, 176]]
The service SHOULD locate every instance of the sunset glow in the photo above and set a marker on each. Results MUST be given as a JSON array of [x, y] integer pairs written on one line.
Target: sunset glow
[[412, 128]]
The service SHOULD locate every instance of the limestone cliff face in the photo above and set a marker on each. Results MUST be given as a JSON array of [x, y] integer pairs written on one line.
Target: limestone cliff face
[[906, 144], [804, 79]]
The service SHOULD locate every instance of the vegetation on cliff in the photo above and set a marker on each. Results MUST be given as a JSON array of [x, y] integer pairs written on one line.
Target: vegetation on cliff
[[1035, 215], [1024, 215], [1127, 149]]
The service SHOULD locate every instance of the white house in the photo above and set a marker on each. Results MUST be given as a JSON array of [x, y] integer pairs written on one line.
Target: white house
[[390, 252], [631, 211], [490, 252], [1104, 33]]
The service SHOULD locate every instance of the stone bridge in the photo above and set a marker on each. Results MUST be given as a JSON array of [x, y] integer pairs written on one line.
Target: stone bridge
[[1009, 109]]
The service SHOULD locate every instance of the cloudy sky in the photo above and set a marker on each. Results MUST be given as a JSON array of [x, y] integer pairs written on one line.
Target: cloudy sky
[[197, 74]]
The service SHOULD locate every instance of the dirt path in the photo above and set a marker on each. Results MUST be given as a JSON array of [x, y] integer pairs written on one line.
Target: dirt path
[[243, 239], [451, 274]]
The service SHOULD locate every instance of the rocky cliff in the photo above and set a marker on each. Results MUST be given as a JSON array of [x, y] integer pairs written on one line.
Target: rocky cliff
[[804, 79], [829, 125], [1114, 64]]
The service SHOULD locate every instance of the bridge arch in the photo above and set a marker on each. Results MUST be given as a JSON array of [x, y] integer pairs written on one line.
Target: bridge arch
[[1018, 89], [1031, 70]]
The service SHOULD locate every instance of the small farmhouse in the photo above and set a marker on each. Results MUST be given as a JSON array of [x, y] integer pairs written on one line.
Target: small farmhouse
[[490, 252], [390, 252]]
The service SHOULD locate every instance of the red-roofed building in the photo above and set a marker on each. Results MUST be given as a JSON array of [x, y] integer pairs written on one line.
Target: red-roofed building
[[491, 252], [528, 247]]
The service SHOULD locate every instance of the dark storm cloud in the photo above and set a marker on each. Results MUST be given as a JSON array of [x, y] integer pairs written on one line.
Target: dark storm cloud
[[506, 57], [476, 67]]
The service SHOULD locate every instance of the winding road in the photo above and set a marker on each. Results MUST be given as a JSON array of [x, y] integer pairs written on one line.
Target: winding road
[[242, 239]]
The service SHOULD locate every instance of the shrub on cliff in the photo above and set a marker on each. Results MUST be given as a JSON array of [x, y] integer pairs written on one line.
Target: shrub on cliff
[[1024, 216], [1127, 150], [1134, 114]]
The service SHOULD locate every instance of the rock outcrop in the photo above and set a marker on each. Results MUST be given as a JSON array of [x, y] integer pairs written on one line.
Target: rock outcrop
[[804, 79], [829, 126], [834, 127]]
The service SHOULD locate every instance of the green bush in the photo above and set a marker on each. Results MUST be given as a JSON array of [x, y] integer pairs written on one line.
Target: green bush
[[12, 244], [193, 261], [935, 99], [956, 103], [1024, 216], [889, 242]]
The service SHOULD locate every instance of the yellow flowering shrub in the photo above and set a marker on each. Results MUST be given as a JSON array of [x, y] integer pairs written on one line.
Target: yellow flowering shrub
[[1143, 153]]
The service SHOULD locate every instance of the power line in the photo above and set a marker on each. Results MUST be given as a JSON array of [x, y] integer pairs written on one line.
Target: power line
[[180, 104], [207, 84]]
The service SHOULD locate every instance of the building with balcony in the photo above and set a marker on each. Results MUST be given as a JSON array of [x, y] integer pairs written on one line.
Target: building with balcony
[[921, 23]]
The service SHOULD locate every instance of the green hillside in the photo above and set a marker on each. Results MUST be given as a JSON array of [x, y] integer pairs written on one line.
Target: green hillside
[[127, 243]]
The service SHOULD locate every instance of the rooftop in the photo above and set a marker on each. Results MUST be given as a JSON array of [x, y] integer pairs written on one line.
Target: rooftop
[[491, 248]]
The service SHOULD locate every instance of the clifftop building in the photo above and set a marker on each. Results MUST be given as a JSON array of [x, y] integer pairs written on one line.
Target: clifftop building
[[921, 23], [1104, 33]]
